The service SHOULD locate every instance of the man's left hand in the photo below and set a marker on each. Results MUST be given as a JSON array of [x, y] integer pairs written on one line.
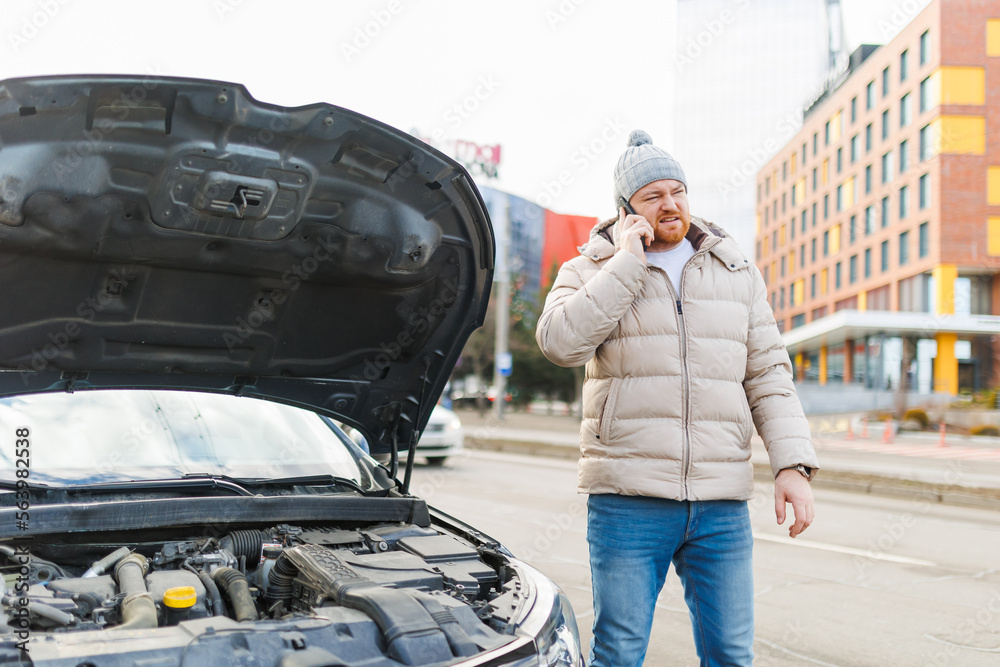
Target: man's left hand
[[791, 487]]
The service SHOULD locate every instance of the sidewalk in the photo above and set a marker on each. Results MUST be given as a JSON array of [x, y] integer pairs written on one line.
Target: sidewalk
[[965, 471]]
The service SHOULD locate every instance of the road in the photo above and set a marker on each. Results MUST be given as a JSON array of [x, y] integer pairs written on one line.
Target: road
[[875, 581]]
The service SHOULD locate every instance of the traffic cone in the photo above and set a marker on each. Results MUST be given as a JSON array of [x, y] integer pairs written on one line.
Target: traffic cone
[[864, 428], [850, 429], [941, 442], [887, 433]]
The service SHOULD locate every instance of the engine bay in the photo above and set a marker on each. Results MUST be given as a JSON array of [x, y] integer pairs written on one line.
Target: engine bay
[[386, 594]]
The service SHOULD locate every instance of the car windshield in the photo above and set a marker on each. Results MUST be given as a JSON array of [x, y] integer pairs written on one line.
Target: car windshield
[[122, 435]]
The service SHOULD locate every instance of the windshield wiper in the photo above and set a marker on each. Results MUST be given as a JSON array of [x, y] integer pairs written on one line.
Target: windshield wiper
[[301, 480], [197, 480]]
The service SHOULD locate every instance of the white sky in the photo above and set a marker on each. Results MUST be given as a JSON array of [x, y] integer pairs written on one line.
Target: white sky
[[558, 83]]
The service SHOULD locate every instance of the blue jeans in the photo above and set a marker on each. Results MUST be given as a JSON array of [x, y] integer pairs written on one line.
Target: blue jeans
[[634, 539]]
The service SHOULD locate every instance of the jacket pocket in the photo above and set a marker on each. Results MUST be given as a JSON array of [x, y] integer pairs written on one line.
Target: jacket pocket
[[747, 427], [608, 412]]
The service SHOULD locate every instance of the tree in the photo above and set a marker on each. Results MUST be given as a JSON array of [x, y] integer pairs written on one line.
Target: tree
[[534, 376]]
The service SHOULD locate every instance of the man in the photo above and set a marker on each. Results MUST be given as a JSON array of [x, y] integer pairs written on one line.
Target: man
[[683, 358]]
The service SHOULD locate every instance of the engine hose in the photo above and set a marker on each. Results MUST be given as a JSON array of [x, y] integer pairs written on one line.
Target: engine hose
[[214, 598], [235, 585], [138, 609], [244, 543], [279, 579], [101, 566]]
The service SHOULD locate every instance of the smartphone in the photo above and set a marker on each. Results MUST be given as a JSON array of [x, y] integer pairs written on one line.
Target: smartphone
[[628, 209]]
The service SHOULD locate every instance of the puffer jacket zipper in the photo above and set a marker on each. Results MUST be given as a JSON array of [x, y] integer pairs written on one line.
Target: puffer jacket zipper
[[686, 376]]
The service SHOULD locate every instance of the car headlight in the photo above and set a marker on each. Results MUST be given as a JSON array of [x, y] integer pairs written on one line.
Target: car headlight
[[549, 619], [454, 424]]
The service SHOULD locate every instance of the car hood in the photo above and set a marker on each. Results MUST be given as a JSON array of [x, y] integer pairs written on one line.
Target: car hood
[[177, 233]]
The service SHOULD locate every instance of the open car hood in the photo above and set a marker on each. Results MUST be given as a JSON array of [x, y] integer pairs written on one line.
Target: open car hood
[[176, 233]]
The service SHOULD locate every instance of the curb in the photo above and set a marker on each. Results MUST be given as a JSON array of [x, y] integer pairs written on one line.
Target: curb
[[838, 480]]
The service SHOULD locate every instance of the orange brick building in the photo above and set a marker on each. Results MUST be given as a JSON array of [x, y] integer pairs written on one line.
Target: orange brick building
[[878, 224]]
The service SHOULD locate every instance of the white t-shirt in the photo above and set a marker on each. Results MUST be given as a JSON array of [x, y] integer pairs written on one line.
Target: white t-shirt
[[672, 261]]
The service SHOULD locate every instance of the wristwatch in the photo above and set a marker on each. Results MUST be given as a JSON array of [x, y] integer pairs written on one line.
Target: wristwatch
[[805, 471]]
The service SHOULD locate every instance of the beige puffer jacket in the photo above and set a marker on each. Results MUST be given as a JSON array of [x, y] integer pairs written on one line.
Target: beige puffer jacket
[[674, 385]]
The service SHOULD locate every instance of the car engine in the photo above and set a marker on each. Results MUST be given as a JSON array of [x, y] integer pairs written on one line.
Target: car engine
[[387, 594]]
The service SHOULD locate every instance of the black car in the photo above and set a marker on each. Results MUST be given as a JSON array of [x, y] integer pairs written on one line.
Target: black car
[[198, 289]]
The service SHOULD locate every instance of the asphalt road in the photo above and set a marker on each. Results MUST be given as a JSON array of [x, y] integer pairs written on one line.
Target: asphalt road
[[875, 581]]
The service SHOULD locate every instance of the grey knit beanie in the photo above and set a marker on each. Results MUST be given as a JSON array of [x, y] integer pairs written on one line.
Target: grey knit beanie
[[641, 164]]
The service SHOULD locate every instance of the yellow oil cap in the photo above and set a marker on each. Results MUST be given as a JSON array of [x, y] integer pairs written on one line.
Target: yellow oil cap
[[182, 597]]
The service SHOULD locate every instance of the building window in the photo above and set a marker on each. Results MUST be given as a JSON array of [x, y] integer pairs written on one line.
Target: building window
[[814, 250], [840, 198], [812, 286], [904, 248], [854, 225], [814, 215], [886, 167], [783, 266], [798, 320], [868, 262], [925, 94], [903, 63], [815, 143], [868, 179], [925, 47], [885, 125], [885, 212], [781, 302], [826, 243], [904, 156], [853, 270], [840, 160], [836, 276], [826, 134], [802, 256], [923, 240], [854, 109], [885, 256], [784, 171], [804, 153], [904, 110], [815, 178], [870, 96], [925, 191], [855, 143], [784, 201], [925, 142], [904, 202], [826, 207], [870, 220], [803, 221], [868, 137], [885, 82]]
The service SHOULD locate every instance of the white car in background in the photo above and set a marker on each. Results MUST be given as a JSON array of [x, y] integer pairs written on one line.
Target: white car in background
[[442, 437]]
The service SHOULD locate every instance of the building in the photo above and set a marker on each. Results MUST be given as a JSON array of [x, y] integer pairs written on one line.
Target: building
[[728, 117], [878, 223]]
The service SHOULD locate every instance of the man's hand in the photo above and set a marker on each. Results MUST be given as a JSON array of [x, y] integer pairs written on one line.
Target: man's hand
[[791, 487], [631, 230]]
